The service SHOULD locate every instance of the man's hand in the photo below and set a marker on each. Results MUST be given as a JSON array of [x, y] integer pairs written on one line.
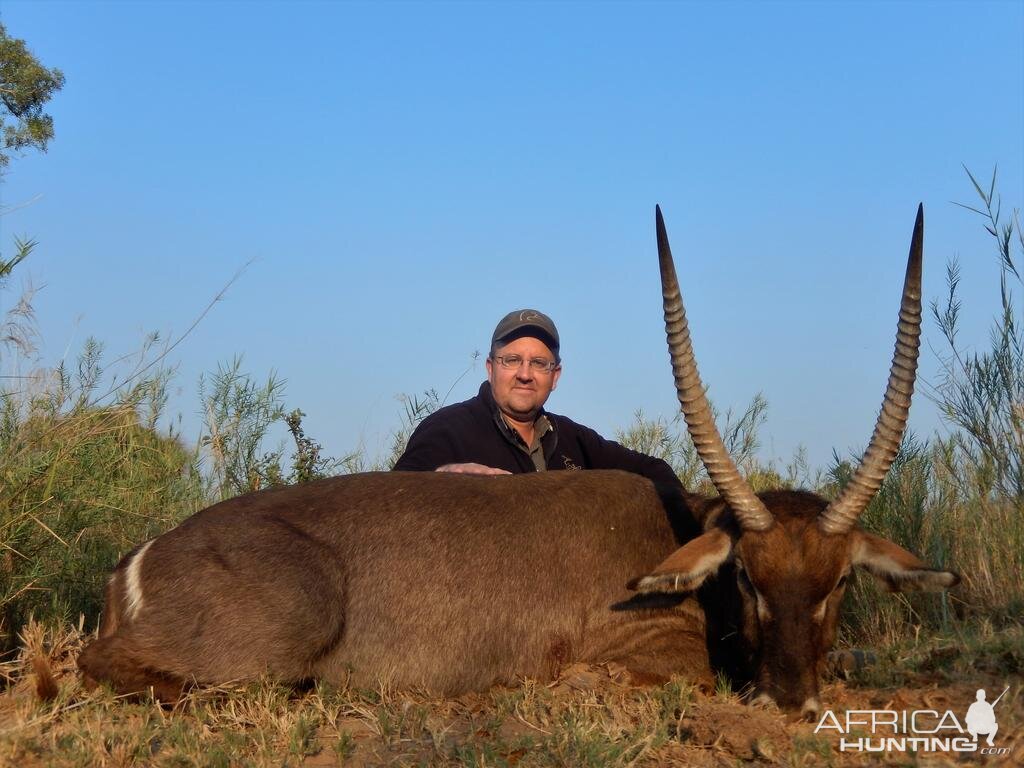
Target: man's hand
[[470, 468]]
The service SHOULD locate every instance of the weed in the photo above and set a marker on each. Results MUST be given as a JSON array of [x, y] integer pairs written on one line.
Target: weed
[[345, 747], [303, 737], [811, 750]]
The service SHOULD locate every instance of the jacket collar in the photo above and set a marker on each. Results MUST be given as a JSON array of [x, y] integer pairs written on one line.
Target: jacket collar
[[548, 440]]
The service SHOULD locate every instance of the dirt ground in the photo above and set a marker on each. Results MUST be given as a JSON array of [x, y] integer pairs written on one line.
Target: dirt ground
[[590, 716], [721, 730]]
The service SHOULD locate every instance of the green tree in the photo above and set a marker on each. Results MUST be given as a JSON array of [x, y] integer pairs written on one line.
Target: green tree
[[25, 87]]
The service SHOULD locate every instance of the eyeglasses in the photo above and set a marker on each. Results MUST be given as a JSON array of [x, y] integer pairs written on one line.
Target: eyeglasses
[[537, 364]]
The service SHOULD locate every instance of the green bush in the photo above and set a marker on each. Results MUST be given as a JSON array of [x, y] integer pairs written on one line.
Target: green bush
[[80, 485]]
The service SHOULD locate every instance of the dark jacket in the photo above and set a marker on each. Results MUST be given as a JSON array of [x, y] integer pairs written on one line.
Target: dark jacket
[[469, 432]]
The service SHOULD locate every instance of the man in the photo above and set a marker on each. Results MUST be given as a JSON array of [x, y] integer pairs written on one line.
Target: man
[[505, 429]]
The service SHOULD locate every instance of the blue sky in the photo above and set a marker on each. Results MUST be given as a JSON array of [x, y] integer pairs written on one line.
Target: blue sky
[[403, 174]]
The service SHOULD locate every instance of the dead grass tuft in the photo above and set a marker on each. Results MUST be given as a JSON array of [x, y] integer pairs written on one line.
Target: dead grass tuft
[[591, 716]]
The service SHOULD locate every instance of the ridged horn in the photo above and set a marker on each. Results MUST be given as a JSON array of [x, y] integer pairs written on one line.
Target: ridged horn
[[842, 514], [749, 510]]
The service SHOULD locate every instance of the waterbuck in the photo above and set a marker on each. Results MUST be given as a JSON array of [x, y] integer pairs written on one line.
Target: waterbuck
[[452, 583]]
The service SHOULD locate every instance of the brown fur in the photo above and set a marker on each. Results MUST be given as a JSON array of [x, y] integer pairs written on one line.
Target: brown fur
[[454, 582], [440, 581]]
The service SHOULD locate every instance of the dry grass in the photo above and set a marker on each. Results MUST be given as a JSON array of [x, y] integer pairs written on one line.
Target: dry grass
[[586, 718]]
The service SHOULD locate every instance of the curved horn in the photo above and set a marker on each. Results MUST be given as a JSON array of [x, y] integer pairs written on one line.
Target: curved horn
[[750, 511], [842, 513]]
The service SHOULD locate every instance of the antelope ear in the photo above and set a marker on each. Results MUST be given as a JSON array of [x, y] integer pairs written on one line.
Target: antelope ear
[[897, 568], [686, 568]]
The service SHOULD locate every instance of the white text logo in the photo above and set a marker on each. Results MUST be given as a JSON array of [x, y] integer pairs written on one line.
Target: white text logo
[[919, 730]]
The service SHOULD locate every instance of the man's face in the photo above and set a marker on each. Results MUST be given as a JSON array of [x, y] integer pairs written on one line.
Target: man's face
[[521, 392]]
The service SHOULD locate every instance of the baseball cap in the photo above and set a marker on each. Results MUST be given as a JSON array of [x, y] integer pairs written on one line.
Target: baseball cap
[[531, 319]]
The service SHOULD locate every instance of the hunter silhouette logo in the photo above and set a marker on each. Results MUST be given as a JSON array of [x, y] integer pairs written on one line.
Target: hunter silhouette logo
[[981, 716], [919, 730]]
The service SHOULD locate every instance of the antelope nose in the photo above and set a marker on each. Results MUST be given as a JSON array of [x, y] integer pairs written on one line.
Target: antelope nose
[[810, 709]]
